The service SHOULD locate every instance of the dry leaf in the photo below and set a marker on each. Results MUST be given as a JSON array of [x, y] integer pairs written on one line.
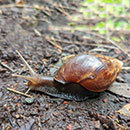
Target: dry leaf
[[19, 3], [125, 110], [122, 89]]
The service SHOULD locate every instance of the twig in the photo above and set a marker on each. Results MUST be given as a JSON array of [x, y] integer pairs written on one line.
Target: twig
[[104, 119], [122, 127], [15, 5], [65, 7], [106, 39], [55, 44], [61, 10], [39, 123], [6, 66], [25, 6], [98, 35], [112, 42], [126, 68], [37, 32], [51, 40], [85, 43], [69, 8], [18, 92]]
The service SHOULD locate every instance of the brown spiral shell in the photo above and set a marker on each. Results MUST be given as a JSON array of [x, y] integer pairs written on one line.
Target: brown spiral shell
[[94, 72]]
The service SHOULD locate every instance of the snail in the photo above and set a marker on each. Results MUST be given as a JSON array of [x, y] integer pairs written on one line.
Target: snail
[[81, 77]]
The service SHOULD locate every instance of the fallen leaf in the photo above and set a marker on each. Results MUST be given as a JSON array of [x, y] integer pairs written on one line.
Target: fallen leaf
[[122, 89], [125, 110], [19, 3]]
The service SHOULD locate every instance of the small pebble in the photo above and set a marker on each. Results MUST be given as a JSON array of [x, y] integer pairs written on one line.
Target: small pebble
[[101, 111], [105, 100], [4, 43], [12, 107], [97, 125], [29, 100], [80, 118], [17, 116], [4, 56]]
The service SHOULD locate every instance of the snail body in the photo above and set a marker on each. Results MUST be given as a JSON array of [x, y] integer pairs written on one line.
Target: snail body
[[79, 78]]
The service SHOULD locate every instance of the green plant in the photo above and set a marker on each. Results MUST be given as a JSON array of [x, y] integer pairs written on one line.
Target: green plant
[[112, 14]]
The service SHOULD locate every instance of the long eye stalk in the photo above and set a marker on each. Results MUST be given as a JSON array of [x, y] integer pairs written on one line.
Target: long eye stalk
[[33, 77], [24, 77]]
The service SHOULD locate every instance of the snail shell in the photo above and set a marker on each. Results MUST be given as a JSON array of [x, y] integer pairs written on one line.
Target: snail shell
[[94, 72]]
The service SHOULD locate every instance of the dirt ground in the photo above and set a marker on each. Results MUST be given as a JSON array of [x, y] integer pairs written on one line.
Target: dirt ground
[[32, 31]]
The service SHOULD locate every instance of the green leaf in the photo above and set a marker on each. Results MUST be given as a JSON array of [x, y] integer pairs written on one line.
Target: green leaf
[[120, 10], [86, 2], [116, 39], [88, 14], [90, 1], [120, 25], [101, 8], [117, 1], [108, 1], [122, 38], [128, 27], [102, 32], [110, 23], [102, 15], [111, 9], [71, 24], [94, 8], [100, 25]]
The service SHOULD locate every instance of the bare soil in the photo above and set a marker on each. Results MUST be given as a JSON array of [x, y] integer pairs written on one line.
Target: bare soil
[[30, 30]]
